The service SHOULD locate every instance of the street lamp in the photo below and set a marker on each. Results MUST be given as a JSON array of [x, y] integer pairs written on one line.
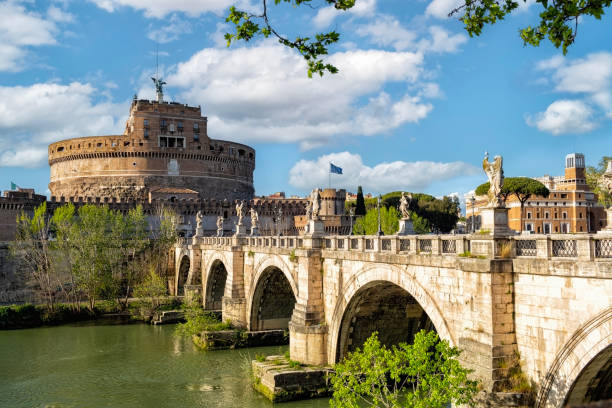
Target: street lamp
[[351, 213], [378, 208], [473, 201]]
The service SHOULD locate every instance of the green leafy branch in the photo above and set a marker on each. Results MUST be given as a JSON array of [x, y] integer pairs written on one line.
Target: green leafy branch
[[249, 26], [558, 20]]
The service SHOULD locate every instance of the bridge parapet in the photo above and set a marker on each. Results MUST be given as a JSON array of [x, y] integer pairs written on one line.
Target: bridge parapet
[[557, 246]]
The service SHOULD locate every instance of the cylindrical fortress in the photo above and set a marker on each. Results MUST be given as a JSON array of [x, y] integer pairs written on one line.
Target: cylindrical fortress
[[165, 150]]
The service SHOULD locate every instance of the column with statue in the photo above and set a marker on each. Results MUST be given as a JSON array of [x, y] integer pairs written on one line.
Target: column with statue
[[405, 223], [495, 215], [241, 228], [315, 225]]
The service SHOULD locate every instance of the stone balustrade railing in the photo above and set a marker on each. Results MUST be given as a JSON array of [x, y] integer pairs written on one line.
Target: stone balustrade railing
[[562, 246]]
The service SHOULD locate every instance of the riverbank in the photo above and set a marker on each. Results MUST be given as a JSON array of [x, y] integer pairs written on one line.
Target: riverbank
[[30, 316]]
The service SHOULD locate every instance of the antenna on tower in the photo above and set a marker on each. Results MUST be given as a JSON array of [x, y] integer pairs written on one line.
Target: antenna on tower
[[159, 83]]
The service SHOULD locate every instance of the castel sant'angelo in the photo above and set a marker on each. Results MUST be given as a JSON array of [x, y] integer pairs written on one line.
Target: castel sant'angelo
[[165, 158], [164, 152]]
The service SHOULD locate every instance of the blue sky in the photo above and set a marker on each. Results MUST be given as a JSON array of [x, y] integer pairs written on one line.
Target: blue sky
[[414, 107]]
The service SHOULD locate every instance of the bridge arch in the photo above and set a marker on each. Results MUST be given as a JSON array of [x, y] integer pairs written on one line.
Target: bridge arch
[[214, 290], [371, 293], [582, 369], [182, 273], [272, 296]]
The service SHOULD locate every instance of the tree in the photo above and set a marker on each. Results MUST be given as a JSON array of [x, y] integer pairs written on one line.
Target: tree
[[31, 244], [522, 188], [593, 175], [425, 374], [63, 222], [558, 21], [360, 208], [368, 225]]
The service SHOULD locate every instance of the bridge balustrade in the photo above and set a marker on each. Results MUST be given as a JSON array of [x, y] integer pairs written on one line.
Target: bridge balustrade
[[554, 246]]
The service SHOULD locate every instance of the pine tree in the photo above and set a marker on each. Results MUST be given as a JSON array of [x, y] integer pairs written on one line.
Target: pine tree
[[360, 208]]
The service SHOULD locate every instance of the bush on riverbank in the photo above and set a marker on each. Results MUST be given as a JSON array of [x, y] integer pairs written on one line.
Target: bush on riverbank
[[28, 315], [198, 320]]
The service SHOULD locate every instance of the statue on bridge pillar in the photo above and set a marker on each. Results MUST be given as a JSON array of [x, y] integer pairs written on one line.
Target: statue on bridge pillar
[[405, 223], [254, 222], [199, 227], [240, 227], [605, 182], [495, 215], [495, 174], [219, 226], [315, 225]]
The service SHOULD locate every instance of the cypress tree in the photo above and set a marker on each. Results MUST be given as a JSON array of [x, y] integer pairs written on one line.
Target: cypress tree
[[360, 208]]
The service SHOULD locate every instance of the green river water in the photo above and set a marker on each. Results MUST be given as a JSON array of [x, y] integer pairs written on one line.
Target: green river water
[[124, 366]]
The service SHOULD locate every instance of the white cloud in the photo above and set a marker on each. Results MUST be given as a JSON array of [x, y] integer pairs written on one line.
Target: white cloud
[[441, 8], [19, 29], [326, 15], [175, 27], [564, 116], [397, 175], [58, 15], [263, 94], [388, 31], [590, 76], [442, 41], [161, 8], [32, 117]]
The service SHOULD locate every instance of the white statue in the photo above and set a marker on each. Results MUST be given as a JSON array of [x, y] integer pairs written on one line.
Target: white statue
[[199, 219], [240, 211], [606, 179], [219, 226], [308, 210], [404, 205], [495, 173], [315, 204], [254, 218]]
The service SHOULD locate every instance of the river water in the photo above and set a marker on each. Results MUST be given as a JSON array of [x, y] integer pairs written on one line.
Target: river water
[[125, 366]]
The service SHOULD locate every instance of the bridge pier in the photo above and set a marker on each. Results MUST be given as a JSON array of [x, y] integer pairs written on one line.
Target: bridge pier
[[234, 301], [307, 328]]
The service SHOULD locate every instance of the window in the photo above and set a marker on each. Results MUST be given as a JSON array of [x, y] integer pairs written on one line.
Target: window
[[99, 144], [146, 133], [546, 215], [564, 215], [172, 128], [579, 215], [563, 195], [528, 226], [60, 149], [196, 127], [529, 215], [556, 229], [163, 142], [162, 123], [196, 137], [146, 123], [179, 126]]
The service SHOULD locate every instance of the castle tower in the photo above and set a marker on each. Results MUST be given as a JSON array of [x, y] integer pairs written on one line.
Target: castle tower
[[575, 173], [164, 152]]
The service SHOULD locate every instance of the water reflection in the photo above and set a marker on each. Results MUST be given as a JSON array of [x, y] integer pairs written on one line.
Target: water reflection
[[124, 366]]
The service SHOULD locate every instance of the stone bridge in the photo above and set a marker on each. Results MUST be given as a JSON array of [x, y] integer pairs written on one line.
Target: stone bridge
[[544, 300]]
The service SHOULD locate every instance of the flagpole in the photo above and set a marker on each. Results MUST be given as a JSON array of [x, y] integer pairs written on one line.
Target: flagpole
[[329, 175]]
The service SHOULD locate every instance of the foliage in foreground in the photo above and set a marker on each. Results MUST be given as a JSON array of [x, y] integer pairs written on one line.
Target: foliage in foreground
[[425, 374], [557, 21], [198, 320]]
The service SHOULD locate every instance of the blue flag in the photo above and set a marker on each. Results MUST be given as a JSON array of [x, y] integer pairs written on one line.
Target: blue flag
[[335, 169], [13, 186]]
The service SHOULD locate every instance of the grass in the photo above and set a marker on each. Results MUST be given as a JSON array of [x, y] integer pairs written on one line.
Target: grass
[[468, 254], [505, 250]]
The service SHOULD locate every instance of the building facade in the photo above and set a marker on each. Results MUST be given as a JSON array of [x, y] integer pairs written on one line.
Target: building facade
[[571, 206]]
